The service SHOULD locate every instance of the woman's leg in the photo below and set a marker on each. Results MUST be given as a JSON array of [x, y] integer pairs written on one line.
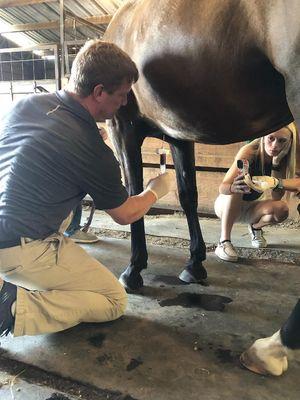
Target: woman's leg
[[228, 209], [268, 212]]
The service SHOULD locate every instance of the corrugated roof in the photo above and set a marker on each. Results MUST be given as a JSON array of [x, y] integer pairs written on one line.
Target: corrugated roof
[[37, 13]]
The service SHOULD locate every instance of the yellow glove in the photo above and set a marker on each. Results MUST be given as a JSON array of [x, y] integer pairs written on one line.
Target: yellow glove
[[261, 183]]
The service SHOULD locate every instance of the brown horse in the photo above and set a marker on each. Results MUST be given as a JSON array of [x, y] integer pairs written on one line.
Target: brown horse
[[210, 71]]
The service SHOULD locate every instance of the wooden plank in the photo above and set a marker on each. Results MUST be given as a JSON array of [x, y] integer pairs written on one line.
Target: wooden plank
[[205, 155], [216, 155]]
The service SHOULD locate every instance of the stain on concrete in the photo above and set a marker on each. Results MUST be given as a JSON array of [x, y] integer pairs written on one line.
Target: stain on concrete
[[168, 280], [209, 302], [174, 281], [97, 340], [58, 396], [134, 363], [104, 359], [226, 356]]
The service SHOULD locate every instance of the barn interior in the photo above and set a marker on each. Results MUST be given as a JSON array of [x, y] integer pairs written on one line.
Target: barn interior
[[175, 341]]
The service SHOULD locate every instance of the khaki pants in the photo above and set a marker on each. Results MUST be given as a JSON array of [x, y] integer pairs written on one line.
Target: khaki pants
[[59, 286]]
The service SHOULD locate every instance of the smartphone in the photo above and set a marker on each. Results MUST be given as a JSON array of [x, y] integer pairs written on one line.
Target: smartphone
[[243, 166]]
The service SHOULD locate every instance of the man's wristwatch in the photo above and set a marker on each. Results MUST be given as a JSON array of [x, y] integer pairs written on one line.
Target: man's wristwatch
[[279, 185]]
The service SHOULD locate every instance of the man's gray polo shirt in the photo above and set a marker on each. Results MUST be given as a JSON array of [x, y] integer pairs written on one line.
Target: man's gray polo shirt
[[51, 156]]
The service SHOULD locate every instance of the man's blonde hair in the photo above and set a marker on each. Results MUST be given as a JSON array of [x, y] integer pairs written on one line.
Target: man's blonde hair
[[104, 63]]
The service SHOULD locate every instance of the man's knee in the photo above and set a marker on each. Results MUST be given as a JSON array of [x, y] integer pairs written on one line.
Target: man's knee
[[122, 301], [119, 301]]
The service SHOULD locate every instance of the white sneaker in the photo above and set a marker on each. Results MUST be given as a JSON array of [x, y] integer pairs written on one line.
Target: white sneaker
[[257, 239], [84, 237], [226, 251]]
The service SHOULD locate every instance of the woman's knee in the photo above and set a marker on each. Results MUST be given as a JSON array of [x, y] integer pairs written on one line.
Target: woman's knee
[[281, 212], [227, 203]]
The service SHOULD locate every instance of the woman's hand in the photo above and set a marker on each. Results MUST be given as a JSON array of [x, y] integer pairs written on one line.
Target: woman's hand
[[284, 151], [103, 133], [239, 185], [261, 183]]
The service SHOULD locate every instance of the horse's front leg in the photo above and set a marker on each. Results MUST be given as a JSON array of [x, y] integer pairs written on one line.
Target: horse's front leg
[[127, 142], [184, 162]]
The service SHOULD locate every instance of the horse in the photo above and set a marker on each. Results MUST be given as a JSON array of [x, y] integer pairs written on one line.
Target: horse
[[210, 72]]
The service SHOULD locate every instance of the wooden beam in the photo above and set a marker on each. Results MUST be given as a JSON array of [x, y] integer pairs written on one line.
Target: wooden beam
[[37, 26], [19, 3], [82, 21]]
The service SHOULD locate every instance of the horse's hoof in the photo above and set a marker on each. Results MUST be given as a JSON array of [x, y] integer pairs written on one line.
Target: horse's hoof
[[188, 276], [131, 283], [248, 363]]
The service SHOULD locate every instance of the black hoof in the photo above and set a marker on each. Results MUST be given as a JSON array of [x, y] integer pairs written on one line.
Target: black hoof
[[131, 281], [193, 274]]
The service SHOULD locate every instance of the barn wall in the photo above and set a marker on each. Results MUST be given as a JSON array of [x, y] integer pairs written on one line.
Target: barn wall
[[211, 164]]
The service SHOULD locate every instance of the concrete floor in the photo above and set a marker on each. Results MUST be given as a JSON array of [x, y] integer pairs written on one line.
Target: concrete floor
[[175, 342]]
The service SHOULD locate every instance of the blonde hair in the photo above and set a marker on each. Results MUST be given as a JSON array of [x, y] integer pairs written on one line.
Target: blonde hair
[[291, 156]]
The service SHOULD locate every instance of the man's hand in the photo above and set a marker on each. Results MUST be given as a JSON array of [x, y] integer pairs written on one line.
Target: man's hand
[[261, 183], [160, 185]]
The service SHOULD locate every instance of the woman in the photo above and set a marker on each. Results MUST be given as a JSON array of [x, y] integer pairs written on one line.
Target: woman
[[272, 155]]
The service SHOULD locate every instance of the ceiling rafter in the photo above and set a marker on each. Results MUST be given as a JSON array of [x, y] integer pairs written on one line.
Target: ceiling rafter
[[19, 3], [36, 26]]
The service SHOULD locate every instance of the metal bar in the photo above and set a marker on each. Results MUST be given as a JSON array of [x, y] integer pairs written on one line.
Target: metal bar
[[57, 69], [50, 46], [62, 37]]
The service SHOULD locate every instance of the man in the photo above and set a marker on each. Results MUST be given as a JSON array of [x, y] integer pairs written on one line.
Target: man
[[51, 156]]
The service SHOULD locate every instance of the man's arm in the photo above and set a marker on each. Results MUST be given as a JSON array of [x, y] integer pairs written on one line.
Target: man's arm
[[136, 206]]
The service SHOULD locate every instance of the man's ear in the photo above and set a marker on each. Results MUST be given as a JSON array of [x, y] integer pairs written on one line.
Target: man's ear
[[97, 91]]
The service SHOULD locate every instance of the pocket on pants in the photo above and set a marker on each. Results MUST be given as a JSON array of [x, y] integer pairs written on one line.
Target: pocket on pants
[[10, 260], [39, 255]]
